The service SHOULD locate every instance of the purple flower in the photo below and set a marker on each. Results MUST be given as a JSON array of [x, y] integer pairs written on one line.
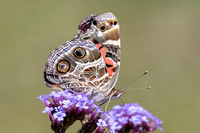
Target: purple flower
[[43, 97], [101, 123], [131, 117], [59, 115], [55, 94], [64, 108], [82, 104], [66, 103], [114, 125], [47, 110]]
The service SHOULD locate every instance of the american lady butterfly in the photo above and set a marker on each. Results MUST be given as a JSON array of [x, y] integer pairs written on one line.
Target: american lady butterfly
[[90, 62]]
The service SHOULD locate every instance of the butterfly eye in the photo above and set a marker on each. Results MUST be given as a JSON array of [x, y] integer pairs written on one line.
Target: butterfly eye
[[94, 22], [63, 66], [114, 21], [102, 27], [79, 52]]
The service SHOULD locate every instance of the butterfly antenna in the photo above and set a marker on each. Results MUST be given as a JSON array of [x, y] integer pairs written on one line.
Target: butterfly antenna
[[148, 87], [122, 102], [133, 80]]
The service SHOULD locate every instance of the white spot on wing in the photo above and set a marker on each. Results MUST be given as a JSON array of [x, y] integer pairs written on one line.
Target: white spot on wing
[[114, 42]]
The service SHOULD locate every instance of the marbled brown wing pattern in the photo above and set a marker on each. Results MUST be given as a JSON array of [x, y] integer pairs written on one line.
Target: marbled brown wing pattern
[[103, 30], [78, 65]]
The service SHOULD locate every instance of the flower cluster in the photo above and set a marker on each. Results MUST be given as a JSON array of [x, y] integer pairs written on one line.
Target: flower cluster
[[131, 118], [64, 108]]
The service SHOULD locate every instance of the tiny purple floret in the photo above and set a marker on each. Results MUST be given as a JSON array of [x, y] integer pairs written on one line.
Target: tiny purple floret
[[59, 115], [101, 123], [47, 110]]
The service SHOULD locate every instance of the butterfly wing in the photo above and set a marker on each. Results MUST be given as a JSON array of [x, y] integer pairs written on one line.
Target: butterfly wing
[[78, 66], [96, 71], [103, 30]]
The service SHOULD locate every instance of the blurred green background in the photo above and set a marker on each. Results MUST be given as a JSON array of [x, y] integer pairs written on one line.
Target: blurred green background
[[161, 36]]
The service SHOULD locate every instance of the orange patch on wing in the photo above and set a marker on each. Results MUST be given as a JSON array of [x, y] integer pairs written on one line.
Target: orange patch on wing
[[102, 50], [98, 45], [107, 60]]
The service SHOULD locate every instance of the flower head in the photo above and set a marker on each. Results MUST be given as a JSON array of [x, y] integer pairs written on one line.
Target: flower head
[[131, 117], [64, 108]]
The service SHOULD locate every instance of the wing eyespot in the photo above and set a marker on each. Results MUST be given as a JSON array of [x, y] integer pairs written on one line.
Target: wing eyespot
[[63, 66], [79, 52]]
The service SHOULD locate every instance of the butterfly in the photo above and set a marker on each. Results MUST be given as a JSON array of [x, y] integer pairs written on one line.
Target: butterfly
[[90, 62]]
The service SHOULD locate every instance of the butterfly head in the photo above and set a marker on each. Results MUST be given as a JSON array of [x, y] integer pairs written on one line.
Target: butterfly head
[[105, 21], [100, 27], [107, 26]]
